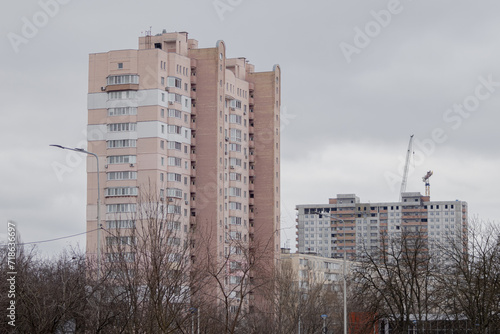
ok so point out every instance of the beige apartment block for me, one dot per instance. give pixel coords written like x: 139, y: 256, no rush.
x: 354, y: 227
x: 201, y: 132
x: 311, y: 269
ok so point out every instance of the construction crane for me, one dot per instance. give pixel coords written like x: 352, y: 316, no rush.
x: 427, y: 183
x: 407, y: 166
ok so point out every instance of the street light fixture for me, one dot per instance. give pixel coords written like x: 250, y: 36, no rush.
x: 343, y: 267
x: 81, y: 150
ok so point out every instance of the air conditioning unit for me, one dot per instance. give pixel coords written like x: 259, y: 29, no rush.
x: 170, y: 102
x: 105, y: 166
x: 186, y: 202
x: 103, y: 89
x: 167, y: 89
x: 227, y: 138
x: 233, y: 109
x: 131, y: 165
x: 232, y: 167
x: 244, y: 113
x: 170, y: 199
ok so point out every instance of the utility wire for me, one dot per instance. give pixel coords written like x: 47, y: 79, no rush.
x: 49, y: 240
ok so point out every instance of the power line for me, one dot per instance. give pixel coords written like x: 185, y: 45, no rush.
x: 49, y: 240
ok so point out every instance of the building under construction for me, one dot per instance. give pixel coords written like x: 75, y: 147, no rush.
x: 348, y: 225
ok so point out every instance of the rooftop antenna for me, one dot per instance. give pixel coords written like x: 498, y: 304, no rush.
x: 148, y: 37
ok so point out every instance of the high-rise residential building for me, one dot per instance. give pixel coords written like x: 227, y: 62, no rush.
x: 200, y: 130
x: 351, y: 226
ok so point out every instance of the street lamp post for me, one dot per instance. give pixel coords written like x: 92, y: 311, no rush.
x: 343, y: 268
x: 81, y: 150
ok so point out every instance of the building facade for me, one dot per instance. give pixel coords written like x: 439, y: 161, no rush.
x: 352, y: 226
x: 198, y: 130
x: 311, y: 269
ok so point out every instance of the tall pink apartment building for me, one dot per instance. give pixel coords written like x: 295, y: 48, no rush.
x: 200, y: 130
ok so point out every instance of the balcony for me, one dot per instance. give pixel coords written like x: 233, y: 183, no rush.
x: 115, y: 88
x: 193, y: 79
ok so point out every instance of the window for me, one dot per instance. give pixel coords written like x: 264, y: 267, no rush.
x: 125, y: 207
x: 235, y: 176
x: 234, y: 119
x: 234, y: 206
x: 123, y: 79
x: 122, y: 111
x: 235, y: 279
x: 174, y: 192
x: 233, y: 235
x: 235, y: 135
x: 174, y: 82
x: 174, y: 209
x: 174, y: 129
x: 121, y: 159
x: 120, y: 223
x: 123, y: 94
x: 120, y: 257
x: 174, y: 177
x: 234, y: 265
x: 174, y: 113
x: 235, y: 220
x: 121, y: 143
x: 173, y: 241
x: 120, y: 65
x: 122, y: 176
x: 174, y: 161
x: 174, y: 98
x: 121, y: 127
x: 174, y: 145
x: 233, y: 191
x: 121, y: 191
x: 110, y: 241
x: 234, y: 162
x: 235, y: 147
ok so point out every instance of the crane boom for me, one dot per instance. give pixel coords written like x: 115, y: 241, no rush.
x: 407, y: 165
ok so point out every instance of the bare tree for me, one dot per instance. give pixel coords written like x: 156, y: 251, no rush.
x: 397, y: 282
x: 147, y: 270
x: 50, y: 293
x: 471, y: 281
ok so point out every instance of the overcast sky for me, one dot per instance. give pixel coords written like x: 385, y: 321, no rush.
x: 358, y: 78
